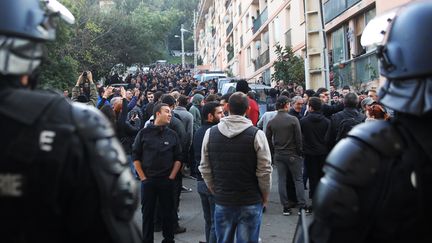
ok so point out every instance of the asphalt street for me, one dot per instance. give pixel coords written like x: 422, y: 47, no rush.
x: 275, y: 227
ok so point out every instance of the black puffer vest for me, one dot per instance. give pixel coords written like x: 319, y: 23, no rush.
x: 233, y: 162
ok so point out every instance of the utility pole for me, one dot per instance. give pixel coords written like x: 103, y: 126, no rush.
x: 195, y: 43
x: 182, y: 30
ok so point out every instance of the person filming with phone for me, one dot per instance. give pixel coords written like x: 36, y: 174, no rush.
x: 85, y: 90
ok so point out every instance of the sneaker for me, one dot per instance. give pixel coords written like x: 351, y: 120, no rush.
x: 185, y: 189
x: 307, y: 210
x: 179, y: 230
x: 286, y: 211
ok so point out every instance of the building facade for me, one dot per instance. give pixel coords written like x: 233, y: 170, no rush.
x: 349, y: 62
x: 239, y: 37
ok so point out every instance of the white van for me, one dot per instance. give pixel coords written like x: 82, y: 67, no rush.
x: 209, y: 75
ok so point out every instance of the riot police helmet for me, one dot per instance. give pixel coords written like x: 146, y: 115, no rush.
x: 25, y: 25
x: 404, y: 54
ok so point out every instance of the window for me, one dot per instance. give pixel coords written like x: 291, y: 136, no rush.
x: 276, y: 30
x: 249, y: 56
x: 339, y: 45
x: 368, y: 16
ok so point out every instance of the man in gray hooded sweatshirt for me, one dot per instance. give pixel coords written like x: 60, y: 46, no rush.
x: 236, y: 167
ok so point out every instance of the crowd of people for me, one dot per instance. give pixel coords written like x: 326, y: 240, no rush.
x: 300, y: 127
x: 64, y: 176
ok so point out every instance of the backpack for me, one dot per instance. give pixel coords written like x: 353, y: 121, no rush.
x: 345, y: 126
x: 271, y: 104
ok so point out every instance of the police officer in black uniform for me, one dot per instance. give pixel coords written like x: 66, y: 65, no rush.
x: 378, y: 181
x: 63, y: 174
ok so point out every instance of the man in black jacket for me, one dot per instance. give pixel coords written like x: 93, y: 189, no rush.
x: 326, y: 109
x: 157, y: 156
x: 350, y: 112
x: 212, y: 112
x: 315, y: 129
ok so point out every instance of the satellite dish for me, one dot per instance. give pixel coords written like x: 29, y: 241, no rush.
x: 57, y: 8
x: 375, y: 30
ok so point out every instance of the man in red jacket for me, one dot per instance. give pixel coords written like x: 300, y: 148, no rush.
x: 253, y: 111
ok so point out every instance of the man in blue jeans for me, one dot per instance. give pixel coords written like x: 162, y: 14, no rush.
x: 212, y: 112
x: 236, y: 167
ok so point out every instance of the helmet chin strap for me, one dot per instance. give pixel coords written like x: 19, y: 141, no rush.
x: 33, y: 79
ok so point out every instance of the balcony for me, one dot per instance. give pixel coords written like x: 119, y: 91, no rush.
x: 333, y: 8
x: 288, y: 38
x: 357, y: 71
x: 230, y: 56
x: 366, y: 67
x: 262, y: 60
x: 260, y: 20
x: 229, y: 29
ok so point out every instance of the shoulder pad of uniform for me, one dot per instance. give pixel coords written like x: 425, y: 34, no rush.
x: 26, y: 106
x: 380, y: 135
x: 355, y: 160
x: 91, y: 122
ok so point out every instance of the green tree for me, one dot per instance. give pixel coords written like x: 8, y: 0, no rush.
x: 288, y: 67
x: 134, y: 31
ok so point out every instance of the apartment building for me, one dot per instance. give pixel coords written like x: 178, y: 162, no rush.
x: 344, y: 21
x: 239, y: 36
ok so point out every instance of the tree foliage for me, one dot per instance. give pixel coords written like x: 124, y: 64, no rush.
x: 289, y: 68
x: 133, y: 31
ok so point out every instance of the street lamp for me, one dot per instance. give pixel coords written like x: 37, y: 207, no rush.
x: 182, y: 44
x: 182, y: 30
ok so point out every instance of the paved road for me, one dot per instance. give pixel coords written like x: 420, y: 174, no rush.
x: 275, y: 227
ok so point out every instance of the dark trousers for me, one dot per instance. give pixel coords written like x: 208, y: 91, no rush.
x: 178, y: 183
x: 163, y: 191
x: 314, y: 165
x: 290, y: 188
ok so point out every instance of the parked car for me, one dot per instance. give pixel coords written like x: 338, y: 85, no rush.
x: 222, y: 81
x: 261, y: 93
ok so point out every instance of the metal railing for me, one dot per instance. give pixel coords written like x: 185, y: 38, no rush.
x: 262, y: 60
x: 229, y: 28
x: 230, y: 56
x: 333, y: 8
x: 359, y: 70
x: 260, y: 20
x: 288, y: 38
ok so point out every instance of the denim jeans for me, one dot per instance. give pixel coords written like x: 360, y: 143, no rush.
x: 208, y: 206
x: 242, y: 221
